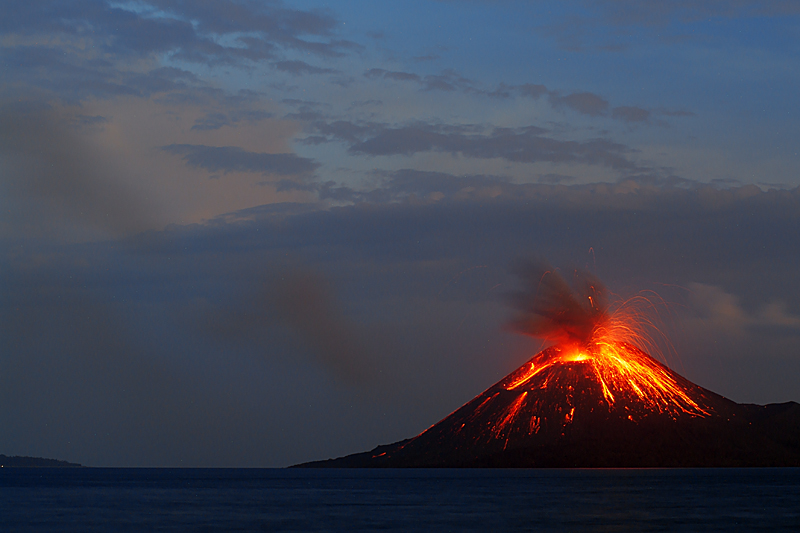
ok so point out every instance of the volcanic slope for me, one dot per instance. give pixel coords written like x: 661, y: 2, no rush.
x: 598, y: 406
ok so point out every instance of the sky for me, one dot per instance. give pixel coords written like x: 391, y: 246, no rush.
x: 257, y: 233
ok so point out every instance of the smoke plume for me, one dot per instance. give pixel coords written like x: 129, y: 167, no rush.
x: 303, y: 302
x: 550, y: 308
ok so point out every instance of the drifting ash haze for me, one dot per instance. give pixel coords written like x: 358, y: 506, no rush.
x: 593, y: 399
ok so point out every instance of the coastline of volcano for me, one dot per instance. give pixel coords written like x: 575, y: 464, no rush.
x: 568, y: 408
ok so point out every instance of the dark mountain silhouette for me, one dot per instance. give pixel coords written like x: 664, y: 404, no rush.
x: 18, y: 461
x: 606, y: 406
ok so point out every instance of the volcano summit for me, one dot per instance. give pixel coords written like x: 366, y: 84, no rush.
x: 593, y: 400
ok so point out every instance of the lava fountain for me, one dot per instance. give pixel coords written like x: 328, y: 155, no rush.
x: 596, y: 339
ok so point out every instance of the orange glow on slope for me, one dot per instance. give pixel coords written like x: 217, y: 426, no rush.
x: 621, y: 369
x: 577, y: 355
x: 510, y: 413
x: 617, y: 366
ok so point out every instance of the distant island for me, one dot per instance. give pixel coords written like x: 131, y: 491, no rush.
x: 33, y: 462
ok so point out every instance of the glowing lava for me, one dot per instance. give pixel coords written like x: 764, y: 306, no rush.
x: 621, y: 370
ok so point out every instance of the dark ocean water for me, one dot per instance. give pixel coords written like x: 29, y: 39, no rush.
x: 119, y: 499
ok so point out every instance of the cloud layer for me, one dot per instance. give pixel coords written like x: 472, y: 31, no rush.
x: 270, y: 324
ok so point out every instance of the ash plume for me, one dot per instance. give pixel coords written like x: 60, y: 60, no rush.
x: 302, y: 301
x: 305, y: 302
x: 550, y: 308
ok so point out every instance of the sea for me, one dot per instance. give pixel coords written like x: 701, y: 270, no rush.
x: 211, y: 499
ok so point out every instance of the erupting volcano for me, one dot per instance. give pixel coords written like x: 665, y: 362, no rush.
x: 593, y: 399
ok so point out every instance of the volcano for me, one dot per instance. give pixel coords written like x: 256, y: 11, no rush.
x: 612, y: 408
x: 593, y: 399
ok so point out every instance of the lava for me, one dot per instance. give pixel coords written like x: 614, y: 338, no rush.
x: 510, y: 413
x: 621, y: 370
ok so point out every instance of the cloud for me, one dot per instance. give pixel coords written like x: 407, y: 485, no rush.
x: 297, y: 68
x: 533, y: 90
x: 718, y: 308
x: 423, y: 183
x: 742, y: 338
x: 379, y: 73
x: 555, y: 178
x: 522, y: 145
x: 631, y: 114
x: 234, y: 159
x: 406, y: 183
x: 89, y: 121
x: 38, y: 69
x: 721, y: 310
x: 161, y: 80
x: 625, y: 12
x: 675, y: 113
x: 216, y: 120
x: 594, y: 105
x: 640, y: 233
x: 266, y: 26
x: 585, y: 103
x: 643, y: 190
x: 52, y: 172
x: 621, y: 25
x: 83, y: 49
x: 448, y: 80
x: 72, y: 74
x: 306, y: 110
x: 212, y: 121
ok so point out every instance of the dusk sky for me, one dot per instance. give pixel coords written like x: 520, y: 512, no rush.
x: 239, y: 233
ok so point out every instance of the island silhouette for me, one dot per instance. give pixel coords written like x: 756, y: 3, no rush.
x: 593, y: 399
x: 21, y: 461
